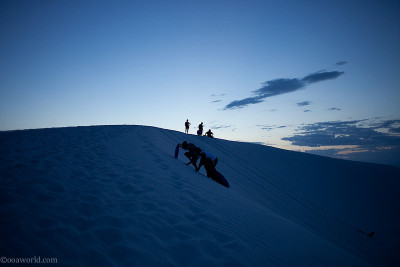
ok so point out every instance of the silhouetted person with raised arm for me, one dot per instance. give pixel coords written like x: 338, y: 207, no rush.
x: 187, y: 125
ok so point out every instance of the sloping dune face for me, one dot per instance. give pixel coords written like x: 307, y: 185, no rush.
x: 116, y: 195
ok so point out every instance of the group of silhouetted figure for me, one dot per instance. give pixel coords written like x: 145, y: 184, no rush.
x: 208, y: 160
x: 199, y: 131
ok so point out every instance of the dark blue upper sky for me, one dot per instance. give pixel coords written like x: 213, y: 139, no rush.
x: 241, y: 67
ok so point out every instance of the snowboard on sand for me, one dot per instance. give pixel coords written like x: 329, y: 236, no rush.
x: 219, y: 178
x: 176, y: 151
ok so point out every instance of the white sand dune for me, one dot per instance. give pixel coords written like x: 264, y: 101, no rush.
x: 115, y: 195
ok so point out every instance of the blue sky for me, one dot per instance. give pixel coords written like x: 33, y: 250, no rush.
x: 273, y: 72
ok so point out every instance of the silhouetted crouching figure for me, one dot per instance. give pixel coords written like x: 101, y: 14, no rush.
x: 209, y: 133
x: 193, y: 152
x: 209, y: 161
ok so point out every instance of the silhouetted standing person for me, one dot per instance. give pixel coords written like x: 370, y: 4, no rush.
x: 187, y: 125
x: 200, y: 131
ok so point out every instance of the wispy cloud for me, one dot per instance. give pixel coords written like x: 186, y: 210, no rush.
x: 304, y: 103
x: 216, y: 101
x: 334, y: 109
x: 389, y: 126
x: 282, y: 86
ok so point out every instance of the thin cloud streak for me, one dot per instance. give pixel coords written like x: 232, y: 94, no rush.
x: 340, y: 63
x: 322, y: 76
x: 271, y: 127
x: 304, y: 103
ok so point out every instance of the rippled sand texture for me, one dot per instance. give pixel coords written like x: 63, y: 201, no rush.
x: 107, y: 195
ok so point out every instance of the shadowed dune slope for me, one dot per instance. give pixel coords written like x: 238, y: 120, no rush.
x: 115, y: 195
